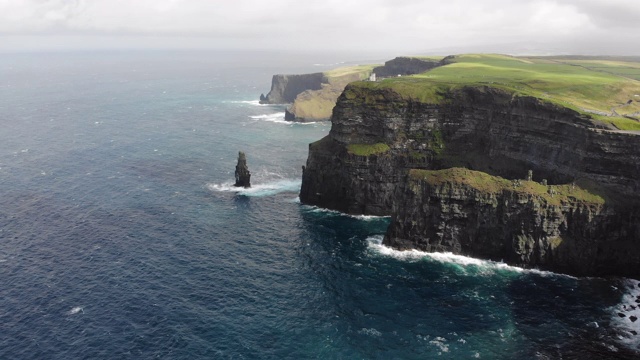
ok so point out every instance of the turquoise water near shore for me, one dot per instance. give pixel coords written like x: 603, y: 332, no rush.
x: 122, y: 237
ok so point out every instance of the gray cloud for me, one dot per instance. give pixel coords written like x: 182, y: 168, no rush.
x: 394, y: 25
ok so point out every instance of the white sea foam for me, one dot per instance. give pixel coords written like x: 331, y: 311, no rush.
x: 629, y: 307
x: 465, y: 263
x: 368, y: 217
x: 312, y: 208
x: 278, y: 118
x: 441, y: 344
x: 275, y: 117
x: 257, y: 190
x: 370, y: 332
x: 250, y: 102
x: 75, y: 310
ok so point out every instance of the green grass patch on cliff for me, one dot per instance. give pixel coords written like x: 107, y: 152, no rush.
x: 552, y: 194
x: 605, y: 88
x: 367, y: 149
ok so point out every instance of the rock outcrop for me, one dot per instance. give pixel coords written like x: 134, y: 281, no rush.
x: 285, y: 88
x: 378, y: 136
x: 243, y: 176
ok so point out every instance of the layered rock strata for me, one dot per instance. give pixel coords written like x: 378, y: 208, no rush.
x: 478, y: 128
x: 565, y: 228
x: 379, y: 135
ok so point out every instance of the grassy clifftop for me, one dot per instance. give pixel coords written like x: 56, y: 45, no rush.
x: 604, y: 89
x: 551, y: 194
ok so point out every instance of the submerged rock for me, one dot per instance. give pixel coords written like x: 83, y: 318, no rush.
x: 243, y: 176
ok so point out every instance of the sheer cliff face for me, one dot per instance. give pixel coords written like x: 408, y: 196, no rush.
x: 477, y: 128
x: 523, y: 223
x: 348, y: 181
x: 285, y: 88
x: 378, y: 137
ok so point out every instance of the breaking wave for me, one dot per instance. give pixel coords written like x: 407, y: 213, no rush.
x: 316, y: 209
x: 250, y: 102
x: 275, y: 117
x: 467, y: 265
x: 258, y: 190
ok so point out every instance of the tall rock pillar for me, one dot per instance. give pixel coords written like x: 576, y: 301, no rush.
x: 243, y: 176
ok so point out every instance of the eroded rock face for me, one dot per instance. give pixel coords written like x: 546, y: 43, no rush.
x: 285, y: 88
x: 559, y: 233
x: 487, y: 130
x: 243, y: 176
x: 480, y: 129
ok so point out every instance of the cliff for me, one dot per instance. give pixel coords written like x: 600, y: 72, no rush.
x: 382, y: 131
x: 285, y: 88
x: 408, y: 66
x: 317, y: 104
x: 479, y: 128
x: 565, y: 228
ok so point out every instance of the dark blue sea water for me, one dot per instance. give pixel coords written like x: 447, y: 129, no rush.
x: 121, y: 237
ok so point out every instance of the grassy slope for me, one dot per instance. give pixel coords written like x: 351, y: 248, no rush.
x: 582, y: 87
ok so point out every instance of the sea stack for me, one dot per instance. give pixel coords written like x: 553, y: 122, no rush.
x: 243, y: 176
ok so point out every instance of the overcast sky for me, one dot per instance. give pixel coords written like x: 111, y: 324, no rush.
x: 402, y: 26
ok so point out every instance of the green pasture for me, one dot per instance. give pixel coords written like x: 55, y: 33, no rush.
x: 574, y: 84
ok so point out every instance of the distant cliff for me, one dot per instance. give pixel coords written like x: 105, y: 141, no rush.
x: 285, y: 88
x: 313, y: 96
x: 408, y: 66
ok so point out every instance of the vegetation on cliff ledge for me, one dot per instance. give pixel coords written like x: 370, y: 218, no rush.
x: 552, y: 194
x: 367, y: 149
x: 606, y: 90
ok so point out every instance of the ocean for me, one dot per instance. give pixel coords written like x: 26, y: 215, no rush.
x: 121, y: 236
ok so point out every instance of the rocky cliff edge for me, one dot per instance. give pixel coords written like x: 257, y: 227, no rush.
x: 379, y: 135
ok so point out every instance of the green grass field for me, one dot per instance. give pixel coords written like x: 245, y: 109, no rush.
x: 587, y: 86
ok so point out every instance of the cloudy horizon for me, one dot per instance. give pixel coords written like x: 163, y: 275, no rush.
x: 590, y: 27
